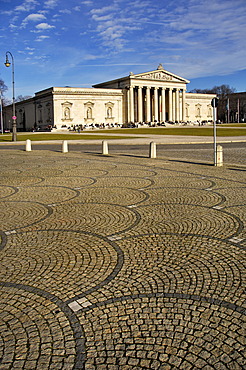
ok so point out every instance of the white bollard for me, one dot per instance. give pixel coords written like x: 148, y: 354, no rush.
x: 28, y: 146
x: 219, y: 156
x: 105, y: 148
x: 152, y: 150
x: 64, y: 146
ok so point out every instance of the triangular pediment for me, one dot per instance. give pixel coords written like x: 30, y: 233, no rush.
x: 160, y: 75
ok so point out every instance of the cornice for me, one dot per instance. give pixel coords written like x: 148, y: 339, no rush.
x: 117, y: 92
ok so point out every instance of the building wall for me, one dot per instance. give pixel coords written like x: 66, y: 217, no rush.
x: 73, y: 107
x: 43, y: 108
x: 114, y: 102
x: 198, y: 107
x: 25, y: 113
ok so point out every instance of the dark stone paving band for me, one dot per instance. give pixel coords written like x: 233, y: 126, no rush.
x: 16, y: 189
x: 3, y: 240
x: 214, y: 301
x: 76, y: 327
x: 227, y: 240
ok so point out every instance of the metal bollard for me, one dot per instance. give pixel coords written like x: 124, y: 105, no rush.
x: 152, y: 150
x: 28, y: 145
x: 64, y: 146
x: 219, y: 156
x: 105, y: 148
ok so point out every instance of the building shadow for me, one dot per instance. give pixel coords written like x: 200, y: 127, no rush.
x: 191, y: 162
x: 237, y: 169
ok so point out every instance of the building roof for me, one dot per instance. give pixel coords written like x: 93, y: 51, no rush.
x: 159, y: 74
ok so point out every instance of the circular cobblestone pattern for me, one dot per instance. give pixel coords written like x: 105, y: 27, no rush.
x: 65, y: 263
x: 34, y: 334
x: 15, y: 215
x: 121, y: 262
x: 163, y: 333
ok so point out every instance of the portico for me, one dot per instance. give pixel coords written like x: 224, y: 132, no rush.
x: 156, y: 96
x: 151, y: 103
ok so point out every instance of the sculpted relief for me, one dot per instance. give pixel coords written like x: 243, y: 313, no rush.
x: 157, y: 76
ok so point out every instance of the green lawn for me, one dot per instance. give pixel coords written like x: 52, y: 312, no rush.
x: 187, y: 131
x: 222, y: 130
x: 233, y: 125
x: 65, y: 136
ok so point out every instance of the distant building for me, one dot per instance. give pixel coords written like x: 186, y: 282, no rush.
x: 236, y: 107
x: 150, y: 97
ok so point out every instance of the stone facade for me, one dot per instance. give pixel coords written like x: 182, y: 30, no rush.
x: 150, y: 97
x: 198, y: 107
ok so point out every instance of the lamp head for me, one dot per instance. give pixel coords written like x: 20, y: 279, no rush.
x: 7, y: 63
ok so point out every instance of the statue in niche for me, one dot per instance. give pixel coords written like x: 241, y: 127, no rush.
x: 109, y: 112
x: 67, y: 113
x: 89, y: 113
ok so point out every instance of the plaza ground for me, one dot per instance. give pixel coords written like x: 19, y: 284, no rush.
x: 122, y: 261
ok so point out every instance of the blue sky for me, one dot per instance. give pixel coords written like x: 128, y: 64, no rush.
x: 81, y: 43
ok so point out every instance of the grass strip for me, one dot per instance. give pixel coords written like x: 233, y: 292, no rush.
x: 182, y: 131
x: 104, y: 134
x: 50, y: 137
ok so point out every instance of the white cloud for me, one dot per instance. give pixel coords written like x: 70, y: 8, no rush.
x: 101, y: 18
x: 26, y: 6
x: 65, y: 11
x: 105, y: 9
x: 42, y: 38
x: 12, y: 26
x: 50, y: 4
x: 116, y: 24
x: 88, y: 3
x: 44, y: 26
x: 34, y: 17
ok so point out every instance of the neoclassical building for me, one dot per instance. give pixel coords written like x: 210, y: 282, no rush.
x: 150, y: 97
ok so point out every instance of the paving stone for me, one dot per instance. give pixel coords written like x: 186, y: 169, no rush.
x: 121, y: 262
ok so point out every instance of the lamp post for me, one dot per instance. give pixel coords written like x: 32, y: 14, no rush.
x: 1, y: 109
x: 8, y: 64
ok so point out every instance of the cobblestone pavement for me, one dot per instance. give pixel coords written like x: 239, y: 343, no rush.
x: 121, y: 262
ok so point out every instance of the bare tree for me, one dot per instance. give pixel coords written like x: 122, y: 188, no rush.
x: 3, y: 89
x: 22, y: 98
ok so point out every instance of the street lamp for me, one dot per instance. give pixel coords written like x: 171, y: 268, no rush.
x: 1, y: 110
x: 8, y: 64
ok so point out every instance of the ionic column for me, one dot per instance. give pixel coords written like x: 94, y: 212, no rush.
x: 140, y: 104
x: 163, y: 105
x: 174, y: 103
x: 183, y: 105
x: 156, y: 118
x: 131, y: 104
x: 170, y: 105
x: 177, y: 105
x: 128, y: 106
x: 148, y: 104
